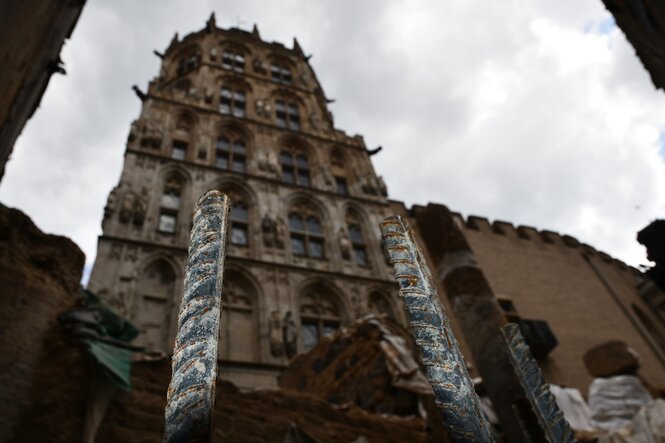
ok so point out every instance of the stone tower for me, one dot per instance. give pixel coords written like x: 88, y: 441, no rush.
x: 232, y: 112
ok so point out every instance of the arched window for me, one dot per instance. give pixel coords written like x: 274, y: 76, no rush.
x: 295, y: 167
x: 231, y: 152
x: 306, y: 233
x: 156, y: 287
x: 170, y: 204
x: 320, y: 315
x: 188, y: 60
x: 338, y: 169
x: 287, y: 114
x: 181, y: 137
x: 239, y: 217
x: 232, y: 101
x: 239, y: 340
x: 379, y: 305
x: 357, y: 238
x: 233, y: 60
x: 280, y: 73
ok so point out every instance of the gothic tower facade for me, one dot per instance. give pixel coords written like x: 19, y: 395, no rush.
x: 232, y: 112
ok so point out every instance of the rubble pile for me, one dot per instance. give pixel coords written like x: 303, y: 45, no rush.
x: 370, y: 365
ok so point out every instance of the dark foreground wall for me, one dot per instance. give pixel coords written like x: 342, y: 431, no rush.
x: 41, y: 376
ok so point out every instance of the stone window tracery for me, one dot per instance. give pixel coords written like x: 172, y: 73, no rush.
x: 306, y: 233
x: 295, y: 167
x: 238, y: 336
x: 181, y: 137
x: 233, y: 60
x: 357, y: 238
x: 232, y: 101
x: 156, y: 288
x: 287, y: 114
x: 320, y: 316
x: 170, y: 205
x: 188, y: 61
x: 280, y: 73
x: 231, y: 152
x: 239, y: 217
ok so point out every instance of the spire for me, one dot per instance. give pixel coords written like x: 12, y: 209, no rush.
x: 175, y: 40
x: 211, y: 24
x: 297, y: 48
x: 255, y: 31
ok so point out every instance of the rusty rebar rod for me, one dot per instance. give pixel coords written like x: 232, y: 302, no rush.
x: 191, y: 395
x: 444, y: 364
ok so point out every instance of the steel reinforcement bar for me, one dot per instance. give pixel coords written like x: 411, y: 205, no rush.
x: 453, y: 389
x: 191, y: 395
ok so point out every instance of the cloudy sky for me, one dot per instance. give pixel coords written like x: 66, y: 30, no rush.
x: 536, y: 112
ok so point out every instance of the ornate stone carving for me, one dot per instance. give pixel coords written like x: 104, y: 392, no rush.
x: 116, y: 251
x: 273, y: 231
x: 267, y: 162
x: 263, y: 107
x: 140, y: 207
x: 268, y: 230
x: 290, y: 335
x: 127, y: 207
x: 259, y: 66
x: 112, y: 202
x: 276, y: 339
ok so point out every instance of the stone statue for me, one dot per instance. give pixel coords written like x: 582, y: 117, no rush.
x: 268, y: 231
x: 290, y: 335
x: 140, y: 206
x: 276, y: 340
x: 127, y: 207
x: 344, y: 244
x: 280, y: 233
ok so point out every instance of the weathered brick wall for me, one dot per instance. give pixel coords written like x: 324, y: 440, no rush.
x: 547, y: 278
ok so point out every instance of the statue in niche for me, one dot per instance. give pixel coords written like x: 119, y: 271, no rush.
x: 290, y: 335
x: 127, y: 207
x: 344, y: 244
x: 152, y: 134
x: 280, y: 233
x: 267, y: 162
x: 276, y: 340
x: 140, y: 207
x: 268, y: 230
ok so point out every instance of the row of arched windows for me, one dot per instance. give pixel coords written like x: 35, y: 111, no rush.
x: 306, y: 233
x: 231, y: 154
x: 321, y: 311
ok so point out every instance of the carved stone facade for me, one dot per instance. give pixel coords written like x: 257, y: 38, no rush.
x: 232, y: 112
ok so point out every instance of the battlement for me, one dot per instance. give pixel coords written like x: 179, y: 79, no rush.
x: 529, y: 233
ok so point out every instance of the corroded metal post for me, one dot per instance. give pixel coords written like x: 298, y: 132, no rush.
x: 443, y: 361
x: 191, y: 395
